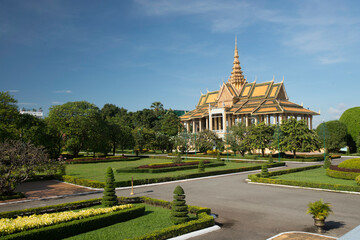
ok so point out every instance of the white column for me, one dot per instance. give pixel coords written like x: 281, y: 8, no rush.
x: 311, y: 118
x: 188, y: 126
x: 200, y: 124
x: 193, y: 128
x: 224, y: 121
x: 207, y: 123
x: 246, y: 121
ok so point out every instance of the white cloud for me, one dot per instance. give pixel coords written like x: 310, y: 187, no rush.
x: 27, y: 103
x: 57, y: 103
x: 329, y: 60
x: 63, y: 91
x: 12, y: 91
x: 336, y: 112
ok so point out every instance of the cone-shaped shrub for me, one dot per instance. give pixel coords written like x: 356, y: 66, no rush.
x: 201, y: 166
x: 109, y: 199
x: 179, y: 212
x: 327, y: 162
x: 264, y: 171
x: 271, y: 158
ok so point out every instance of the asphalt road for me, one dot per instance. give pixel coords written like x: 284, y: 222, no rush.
x: 247, y: 211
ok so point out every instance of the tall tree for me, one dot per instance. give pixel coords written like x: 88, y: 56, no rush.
x: 143, y: 137
x: 237, y: 138
x: 76, y: 121
x: 8, y: 116
x: 157, y: 106
x: 298, y: 137
x: 335, y: 133
x: 18, y: 162
x: 170, y: 123
x: 261, y: 136
x: 205, y: 140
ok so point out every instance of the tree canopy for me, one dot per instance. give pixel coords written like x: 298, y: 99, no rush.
x: 351, y: 118
x: 335, y: 133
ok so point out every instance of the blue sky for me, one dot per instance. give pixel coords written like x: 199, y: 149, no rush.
x: 133, y: 53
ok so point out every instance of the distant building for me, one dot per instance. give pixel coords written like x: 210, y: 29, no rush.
x: 240, y: 101
x: 34, y: 112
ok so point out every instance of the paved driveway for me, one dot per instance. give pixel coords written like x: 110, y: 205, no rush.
x: 248, y: 211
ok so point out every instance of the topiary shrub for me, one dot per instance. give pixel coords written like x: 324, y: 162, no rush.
x: 353, y: 163
x: 327, y: 162
x: 201, y: 166
x: 264, y: 171
x: 109, y: 199
x: 357, y: 179
x: 351, y: 119
x: 179, y: 212
x: 271, y: 158
x: 177, y: 158
x: 218, y: 156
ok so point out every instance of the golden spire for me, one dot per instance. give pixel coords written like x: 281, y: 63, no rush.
x: 237, y: 77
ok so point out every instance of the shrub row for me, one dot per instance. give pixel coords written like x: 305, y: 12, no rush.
x: 257, y: 178
x: 164, y: 165
x: 51, y: 209
x: 81, y: 181
x: 341, y: 174
x: 203, y: 221
x: 357, y: 179
x: 13, y: 196
x: 100, y: 160
x: 165, y: 169
x: 338, y: 187
x: 126, y: 183
x: 337, y: 168
x: 68, y: 229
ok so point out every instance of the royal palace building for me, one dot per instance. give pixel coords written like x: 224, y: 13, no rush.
x: 239, y: 101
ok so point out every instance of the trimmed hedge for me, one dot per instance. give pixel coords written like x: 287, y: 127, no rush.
x: 51, y: 208
x: 81, y: 181
x: 68, y: 229
x: 100, y: 160
x: 353, y: 163
x: 340, y: 174
x: 203, y: 221
x: 357, y: 179
x: 126, y: 183
x: 13, y: 196
x: 257, y: 178
x: 165, y: 169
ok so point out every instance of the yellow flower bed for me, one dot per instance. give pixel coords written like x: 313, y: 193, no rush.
x: 10, y: 225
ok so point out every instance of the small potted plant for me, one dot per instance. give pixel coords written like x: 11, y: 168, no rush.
x: 320, y: 211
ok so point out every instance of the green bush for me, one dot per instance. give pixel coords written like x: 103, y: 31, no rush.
x: 68, y: 229
x: 51, y: 208
x: 169, y: 169
x: 357, y: 179
x: 203, y: 221
x: 13, y: 196
x: 201, y: 166
x: 80, y: 181
x: 327, y: 162
x: 109, y: 198
x: 179, y: 212
x: 271, y: 158
x: 253, y: 177
x: 353, y: 163
x: 264, y: 171
x: 341, y: 174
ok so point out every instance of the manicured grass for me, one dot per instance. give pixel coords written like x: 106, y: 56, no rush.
x: 317, y: 175
x: 96, y: 171
x: 155, y: 218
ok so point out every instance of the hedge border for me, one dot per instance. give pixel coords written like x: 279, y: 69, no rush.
x: 169, y: 169
x: 338, y: 187
x: 85, y: 161
x: 13, y: 196
x: 341, y: 174
x: 75, y: 227
x: 51, y: 208
x: 98, y: 184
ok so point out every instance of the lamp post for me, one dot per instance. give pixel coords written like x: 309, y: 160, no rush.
x: 227, y: 143
x: 324, y: 133
x: 278, y: 138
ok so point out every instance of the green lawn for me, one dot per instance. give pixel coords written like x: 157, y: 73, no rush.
x: 317, y: 175
x: 155, y: 218
x: 96, y: 171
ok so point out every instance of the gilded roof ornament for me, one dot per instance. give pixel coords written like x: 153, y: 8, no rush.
x: 237, y: 77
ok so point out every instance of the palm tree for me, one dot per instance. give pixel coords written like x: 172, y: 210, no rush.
x: 157, y: 106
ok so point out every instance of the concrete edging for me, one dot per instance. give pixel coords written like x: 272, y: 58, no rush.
x: 300, y: 232
x: 196, y: 233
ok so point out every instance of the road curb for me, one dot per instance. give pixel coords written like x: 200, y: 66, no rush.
x: 196, y: 233
x: 301, y: 232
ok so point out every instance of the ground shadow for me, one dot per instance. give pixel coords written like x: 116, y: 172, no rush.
x: 329, y: 225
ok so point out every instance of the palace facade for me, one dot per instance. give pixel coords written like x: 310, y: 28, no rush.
x: 239, y: 101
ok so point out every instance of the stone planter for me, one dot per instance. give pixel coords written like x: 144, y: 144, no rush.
x: 319, y: 223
